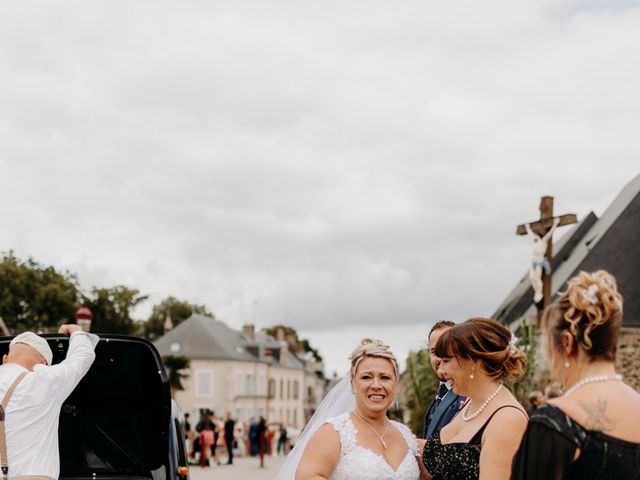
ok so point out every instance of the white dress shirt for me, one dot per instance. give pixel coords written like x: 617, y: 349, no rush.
x: 33, y: 412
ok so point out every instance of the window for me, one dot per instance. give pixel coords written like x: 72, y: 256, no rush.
x: 261, y: 388
x: 272, y: 388
x: 281, y: 389
x: 295, y: 419
x: 251, y: 385
x: 296, y: 388
x: 204, y: 383
x: 261, y: 412
x: 288, y: 389
x: 239, y: 389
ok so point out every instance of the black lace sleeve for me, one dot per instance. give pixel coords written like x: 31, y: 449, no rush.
x: 544, y: 453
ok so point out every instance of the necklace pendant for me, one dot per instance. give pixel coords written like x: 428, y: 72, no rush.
x: 384, y: 444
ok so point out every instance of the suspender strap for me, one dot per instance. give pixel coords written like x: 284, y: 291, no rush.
x: 4, y: 462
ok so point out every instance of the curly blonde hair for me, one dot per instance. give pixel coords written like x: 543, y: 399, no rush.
x: 591, y: 310
x: 371, y: 347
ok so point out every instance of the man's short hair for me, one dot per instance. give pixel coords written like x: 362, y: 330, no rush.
x: 534, y: 395
x: 439, y: 325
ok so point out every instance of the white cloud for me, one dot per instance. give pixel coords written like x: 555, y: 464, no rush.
x: 355, y: 165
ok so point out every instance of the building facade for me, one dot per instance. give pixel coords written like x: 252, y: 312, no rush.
x: 246, y: 373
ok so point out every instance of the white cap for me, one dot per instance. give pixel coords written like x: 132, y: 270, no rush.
x: 36, y: 342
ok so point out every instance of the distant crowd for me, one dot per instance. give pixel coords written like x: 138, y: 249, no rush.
x: 214, y: 438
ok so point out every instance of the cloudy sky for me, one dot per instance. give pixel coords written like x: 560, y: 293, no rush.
x: 349, y: 168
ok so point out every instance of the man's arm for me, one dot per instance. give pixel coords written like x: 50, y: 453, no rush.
x: 67, y: 374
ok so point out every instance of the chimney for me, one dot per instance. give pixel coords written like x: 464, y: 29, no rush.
x: 168, y: 323
x: 249, y: 331
x: 284, y: 351
x: 280, y: 334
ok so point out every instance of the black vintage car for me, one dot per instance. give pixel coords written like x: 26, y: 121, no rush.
x: 120, y: 421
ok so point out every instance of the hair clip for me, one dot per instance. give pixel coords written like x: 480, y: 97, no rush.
x: 591, y: 294
x: 513, y: 343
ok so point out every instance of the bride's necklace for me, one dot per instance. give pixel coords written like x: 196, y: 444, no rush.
x: 592, y: 379
x: 381, y: 437
x: 465, y: 413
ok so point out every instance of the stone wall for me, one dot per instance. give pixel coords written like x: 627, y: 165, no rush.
x: 628, y: 358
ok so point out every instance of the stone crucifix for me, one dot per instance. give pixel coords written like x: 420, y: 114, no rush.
x: 541, y: 231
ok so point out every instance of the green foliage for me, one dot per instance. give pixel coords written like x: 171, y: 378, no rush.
x: 177, y: 366
x: 421, y: 385
x: 527, y: 335
x: 111, y: 308
x: 292, y: 337
x: 178, y: 310
x: 33, y: 296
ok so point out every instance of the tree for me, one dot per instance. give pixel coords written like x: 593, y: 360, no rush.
x: 177, y: 367
x: 33, y: 296
x: 292, y: 338
x: 178, y: 310
x: 420, y: 386
x: 111, y: 308
x: 527, y: 335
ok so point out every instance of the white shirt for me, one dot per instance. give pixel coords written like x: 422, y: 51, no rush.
x: 33, y: 411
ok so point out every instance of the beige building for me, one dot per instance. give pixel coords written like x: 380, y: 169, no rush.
x: 244, y: 372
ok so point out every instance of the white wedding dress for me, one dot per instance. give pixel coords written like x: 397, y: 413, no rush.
x: 359, y: 463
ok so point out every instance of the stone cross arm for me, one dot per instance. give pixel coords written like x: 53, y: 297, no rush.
x: 541, y: 227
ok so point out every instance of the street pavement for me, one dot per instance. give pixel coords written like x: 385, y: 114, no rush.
x: 243, y: 468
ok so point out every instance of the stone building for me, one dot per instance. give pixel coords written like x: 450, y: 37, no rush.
x: 612, y: 243
x: 243, y: 372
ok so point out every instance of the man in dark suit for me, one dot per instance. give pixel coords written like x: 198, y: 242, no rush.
x: 446, y: 403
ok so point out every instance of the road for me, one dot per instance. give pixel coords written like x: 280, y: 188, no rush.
x: 242, y: 469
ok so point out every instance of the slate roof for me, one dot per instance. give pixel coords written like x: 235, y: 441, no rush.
x: 202, y: 337
x: 611, y: 242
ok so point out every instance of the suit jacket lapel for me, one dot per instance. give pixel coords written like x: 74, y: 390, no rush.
x: 449, y: 398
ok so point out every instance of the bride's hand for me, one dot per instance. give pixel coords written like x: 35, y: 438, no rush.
x: 424, y: 474
x: 421, y: 443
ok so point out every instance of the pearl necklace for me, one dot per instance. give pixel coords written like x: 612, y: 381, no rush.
x: 592, y: 379
x: 465, y: 413
x: 381, y: 437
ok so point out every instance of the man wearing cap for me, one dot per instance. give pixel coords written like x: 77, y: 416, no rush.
x: 33, y: 407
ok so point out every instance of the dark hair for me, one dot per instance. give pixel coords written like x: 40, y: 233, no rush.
x: 439, y: 325
x: 485, y: 340
x: 591, y: 310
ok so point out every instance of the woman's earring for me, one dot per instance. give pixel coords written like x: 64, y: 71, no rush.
x: 566, y: 364
x: 472, y: 376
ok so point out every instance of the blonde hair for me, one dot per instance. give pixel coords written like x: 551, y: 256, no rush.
x: 371, y: 347
x: 591, y: 309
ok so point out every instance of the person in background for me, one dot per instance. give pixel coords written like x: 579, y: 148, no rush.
x: 262, y: 439
x: 446, y: 402
x: 591, y: 431
x: 536, y: 398
x: 552, y: 392
x: 282, y: 440
x: 188, y: 435
x: 229, y: 427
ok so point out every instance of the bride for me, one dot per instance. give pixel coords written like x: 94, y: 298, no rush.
x: 350, y: 437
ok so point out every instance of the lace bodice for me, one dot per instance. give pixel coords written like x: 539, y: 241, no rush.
x: 359, y: 463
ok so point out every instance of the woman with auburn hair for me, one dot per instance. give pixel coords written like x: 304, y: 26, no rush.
x: 479, y: 443
x: 350, y: 437
x: 592, y: 431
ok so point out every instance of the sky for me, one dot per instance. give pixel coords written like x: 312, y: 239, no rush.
x: 351, y: 169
